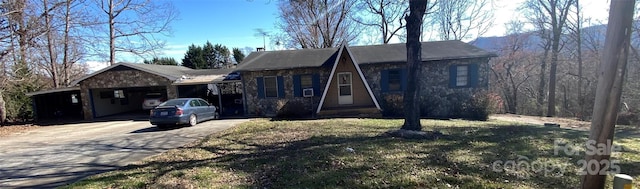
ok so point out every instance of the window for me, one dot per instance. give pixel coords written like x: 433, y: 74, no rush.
x: 394, y: 80
x: 270, y: 87
x: 306, y: 81
x: 344, y: 84
x: 118, y: 94
x: 462, y: 76
x: 74, y: 98
x: 194, y: 103
x: 203, y: 103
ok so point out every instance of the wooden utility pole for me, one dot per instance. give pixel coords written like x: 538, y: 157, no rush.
x: 610, y: 82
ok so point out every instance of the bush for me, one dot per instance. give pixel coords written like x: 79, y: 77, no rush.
x: 627, y: 118
x: 292, y: 109
x: 478, y: 107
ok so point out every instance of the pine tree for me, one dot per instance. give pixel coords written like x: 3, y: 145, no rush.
x: 194, y: 58
x: 238, y: 55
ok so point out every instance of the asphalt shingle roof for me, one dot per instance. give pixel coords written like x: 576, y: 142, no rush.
x: 387, y: 53
x: 168, y: 71
x: 277, y: 60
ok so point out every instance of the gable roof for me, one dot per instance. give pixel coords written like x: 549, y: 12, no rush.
x: 387, y: 53
x: 167, y: 71
x: 343, y: 49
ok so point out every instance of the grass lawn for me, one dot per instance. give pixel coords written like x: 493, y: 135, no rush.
x: 313, y: 154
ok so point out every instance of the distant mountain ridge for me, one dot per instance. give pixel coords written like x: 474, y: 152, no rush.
x: 495, y: 43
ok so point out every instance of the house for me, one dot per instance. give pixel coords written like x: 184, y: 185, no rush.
x: 120, y: 89
x: 358, y: 80
x: 361, y: 80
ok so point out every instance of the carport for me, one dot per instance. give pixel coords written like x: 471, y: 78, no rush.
x: 218, y: 86
x: 57, y: 104
x: 119, y: 91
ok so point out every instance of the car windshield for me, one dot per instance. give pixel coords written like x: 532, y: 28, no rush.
x: 174, y: 102
x: 153, y: 95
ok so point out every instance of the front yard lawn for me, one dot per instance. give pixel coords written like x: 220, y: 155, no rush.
x: 354, y: 153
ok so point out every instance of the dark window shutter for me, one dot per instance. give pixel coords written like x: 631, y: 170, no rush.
x: 280, y: 87
x: 297, y: 89
x: 473, y: 75
x: 452, y: 75
x: 260, y: 82
x: 315, y: 79
x: 403, y: 79
x: 384, y: 80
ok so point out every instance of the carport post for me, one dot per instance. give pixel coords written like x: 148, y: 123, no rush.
x: 219, y: 99
x: 34, y: 108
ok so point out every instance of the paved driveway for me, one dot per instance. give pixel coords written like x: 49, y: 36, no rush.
x: 57, y: 155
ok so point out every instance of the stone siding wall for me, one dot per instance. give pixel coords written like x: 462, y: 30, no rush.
x: 437, y: 98
x: 269, y: 107
x: 120, y: 79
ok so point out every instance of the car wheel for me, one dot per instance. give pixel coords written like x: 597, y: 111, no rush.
x: 193, y: 120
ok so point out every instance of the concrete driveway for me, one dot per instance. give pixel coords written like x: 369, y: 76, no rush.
x: 58, y: 155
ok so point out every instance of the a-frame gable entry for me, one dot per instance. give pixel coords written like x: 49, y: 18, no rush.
x: 356, y: 77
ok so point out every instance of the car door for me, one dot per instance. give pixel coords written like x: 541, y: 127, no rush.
x: 195, y: 108
x: 207, y: 109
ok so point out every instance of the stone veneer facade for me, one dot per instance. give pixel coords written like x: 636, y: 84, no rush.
x: 438, y: 99
x: 270, y: 106
x: 120, y: 79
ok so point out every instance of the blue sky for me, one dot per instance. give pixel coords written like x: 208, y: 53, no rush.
x: 232, y: 23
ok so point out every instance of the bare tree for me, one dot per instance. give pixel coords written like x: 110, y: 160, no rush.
x: 457, y: 19
x: 134, y: 25
x: 575, y: 25
x: 552, y: 16
x: 385, y: 16
x: 512, y: 69
x: 317, y: 23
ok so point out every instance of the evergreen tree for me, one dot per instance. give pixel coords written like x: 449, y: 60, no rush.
x: 238, y: 55
x: 222, y: 55
x: 162, y: 61
x: 194, y: 58
x: 209, y: 55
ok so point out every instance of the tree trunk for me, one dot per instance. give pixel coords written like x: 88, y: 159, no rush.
x: 610, y: 82
x: 581, y: 100
x: 411, y: 98
x: 52, y: 54
x: 3, y: 112
x: 543, y: 83
x: 65, y: 57
x: 112, y: 34
x: 555, y: 50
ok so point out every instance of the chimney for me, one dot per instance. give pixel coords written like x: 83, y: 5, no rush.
x: 259, y: 49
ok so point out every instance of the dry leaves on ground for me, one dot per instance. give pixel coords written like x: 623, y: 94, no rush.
x: 12, y: 129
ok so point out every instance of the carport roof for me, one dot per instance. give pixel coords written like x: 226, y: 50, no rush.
x: 173, y: 73
x: 53, y: 91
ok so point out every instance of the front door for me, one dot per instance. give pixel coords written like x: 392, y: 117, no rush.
x: 345, y: 94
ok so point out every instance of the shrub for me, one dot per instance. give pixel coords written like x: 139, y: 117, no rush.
x: 627, y: 118
x: 479, y: 106
x: 292, y: 109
